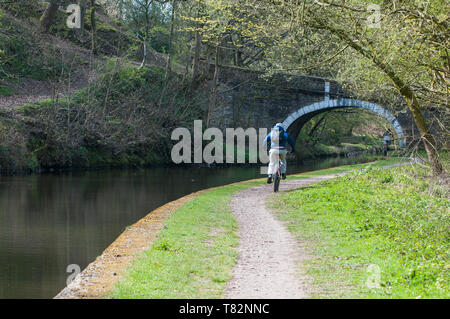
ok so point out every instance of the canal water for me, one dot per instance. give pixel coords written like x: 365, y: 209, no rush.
x: 50, y: 221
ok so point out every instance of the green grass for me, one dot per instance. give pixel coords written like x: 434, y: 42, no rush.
x: 6, y: 91
x: 394, y: 219
x: 193, y: 255
x: 195, y: 252
x: 121, y: 139
x: 22, y: 55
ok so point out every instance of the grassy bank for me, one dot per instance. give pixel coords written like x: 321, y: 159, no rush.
x: 122, y: 119
x: 374, y: 233
x: 195, y: 252
x: 306, y: 151
x: 193, y: 255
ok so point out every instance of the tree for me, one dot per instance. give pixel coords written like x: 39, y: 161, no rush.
x: 396, y: 51
x: 140, y: 16
x: 48, y: 16
x: 82, y: 4
x: 198, y: 42
x: 227, y: 33
x: 93, y: 27
x: 234, y: 27
x: 145, y: 6
x: 171, y: 35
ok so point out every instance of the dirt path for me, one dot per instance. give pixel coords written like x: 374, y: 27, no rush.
x: 31, y: 91
x: 268, y: 265
x: 83, y: 66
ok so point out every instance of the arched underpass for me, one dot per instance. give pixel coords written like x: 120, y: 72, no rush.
x: 295, y: 121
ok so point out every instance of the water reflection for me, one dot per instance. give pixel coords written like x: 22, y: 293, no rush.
x: 49, y: 221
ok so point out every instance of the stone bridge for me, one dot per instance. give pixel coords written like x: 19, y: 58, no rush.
x: 249, y: 99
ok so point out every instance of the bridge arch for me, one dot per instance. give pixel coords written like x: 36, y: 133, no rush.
x: 295, y: 121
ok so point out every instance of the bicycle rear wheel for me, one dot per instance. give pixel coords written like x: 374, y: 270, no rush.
x: 276, y: 181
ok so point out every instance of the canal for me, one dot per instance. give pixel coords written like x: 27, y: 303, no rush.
x: 49, y: 221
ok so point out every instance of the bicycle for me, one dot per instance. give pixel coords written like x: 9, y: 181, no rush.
x: 277, y: 175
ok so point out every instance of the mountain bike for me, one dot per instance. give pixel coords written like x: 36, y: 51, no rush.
x: 277, y: 175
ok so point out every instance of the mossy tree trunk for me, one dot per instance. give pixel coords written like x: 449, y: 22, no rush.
x: 198, y: 45
x: 404, y: 89
x: 214, y: 88
x: 195, y: 65
x: 171, y: 35
x: 93, y: 27
x: 48, y: 17
x: 82, y: 4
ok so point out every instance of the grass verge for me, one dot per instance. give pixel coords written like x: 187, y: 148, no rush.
x: 374, y: 233
x: 193, y: 255
x: 195, y: 252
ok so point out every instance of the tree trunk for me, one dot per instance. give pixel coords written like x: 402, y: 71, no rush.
x: 93, y: 27
x: 414, y: 107
x: 147, y: 26
x: 311, y: 132
x: 425, y: 134
x: 198, y: 43
x: 405, y: 91
x: 48, y: 17
x: 214, y: 88
x: 169, y: 49
x: 82, y: 4
x: 198, y: 48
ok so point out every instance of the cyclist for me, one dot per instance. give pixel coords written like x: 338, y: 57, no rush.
x: 386, y: 142
x: 387, y: 139
x: 276, y: 141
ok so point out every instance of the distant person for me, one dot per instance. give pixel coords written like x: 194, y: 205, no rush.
x: 386, y: 142
x: 387, y: 139
x: 276, y: 141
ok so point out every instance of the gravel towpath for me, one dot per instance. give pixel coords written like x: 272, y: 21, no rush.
x: 269, y: 262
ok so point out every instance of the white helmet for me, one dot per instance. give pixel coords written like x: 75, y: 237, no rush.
x: 280, y: 125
